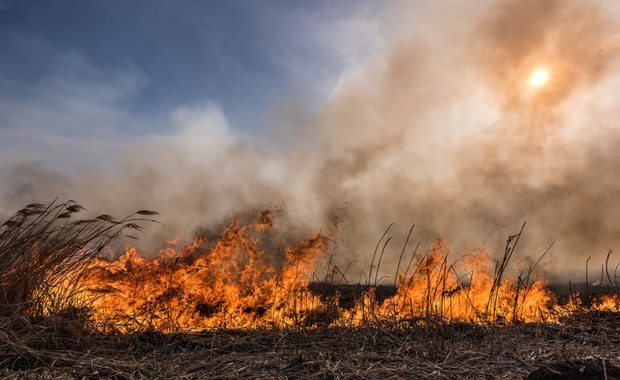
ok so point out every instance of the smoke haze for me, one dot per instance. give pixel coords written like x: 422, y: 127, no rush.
x: 439, y: 130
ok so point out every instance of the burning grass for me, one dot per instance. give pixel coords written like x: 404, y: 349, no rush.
x: 255, y: 314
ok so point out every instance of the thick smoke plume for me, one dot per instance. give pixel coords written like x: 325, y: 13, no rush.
x: 441, y: 130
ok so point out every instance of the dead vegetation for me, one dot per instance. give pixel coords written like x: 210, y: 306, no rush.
x: 42, y: 249
x: 448, y: 351
x: 58, y: 320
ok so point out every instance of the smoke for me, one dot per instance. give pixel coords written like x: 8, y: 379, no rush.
x: 441, y: 130
x: 445, y: 132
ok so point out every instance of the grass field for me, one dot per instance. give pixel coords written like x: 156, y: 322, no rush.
x: 218, y: 308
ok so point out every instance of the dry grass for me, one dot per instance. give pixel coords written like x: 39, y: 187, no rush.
x: 43, y: 248
x: 458, y: 351
x: 47, y: 334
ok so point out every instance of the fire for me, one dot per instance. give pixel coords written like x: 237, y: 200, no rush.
x: 230, y: 284
x: 608, y: 302
x: 233, y: 282
x: 538, y: 78
x: 223, y: 284
x: 435, y: 290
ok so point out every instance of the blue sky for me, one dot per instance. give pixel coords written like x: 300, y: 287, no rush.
x: 82, y: 79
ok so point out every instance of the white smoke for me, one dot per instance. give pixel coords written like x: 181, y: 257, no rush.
x: 437, y: 131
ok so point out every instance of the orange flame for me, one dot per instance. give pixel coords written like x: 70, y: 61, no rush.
x: 231, y: 283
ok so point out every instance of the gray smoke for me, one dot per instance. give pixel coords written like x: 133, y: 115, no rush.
x: 441, y: 131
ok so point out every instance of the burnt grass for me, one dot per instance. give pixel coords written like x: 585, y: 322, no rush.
x: 347, y: 294
x: 38, y: 248
x: 583, y: 346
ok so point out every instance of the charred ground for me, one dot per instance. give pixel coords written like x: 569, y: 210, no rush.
x: 584, y: 347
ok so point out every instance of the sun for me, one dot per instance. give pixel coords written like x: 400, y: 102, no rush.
x: 538, y: 78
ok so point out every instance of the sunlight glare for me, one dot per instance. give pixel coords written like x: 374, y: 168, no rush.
x: 538, y: 78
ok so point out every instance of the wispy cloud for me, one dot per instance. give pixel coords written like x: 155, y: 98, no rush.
x: 74, y: 114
